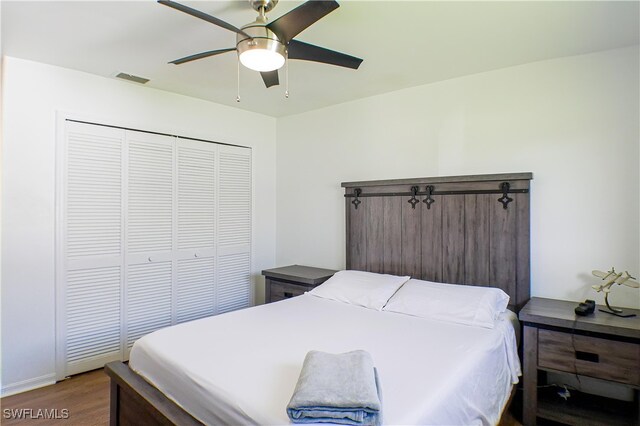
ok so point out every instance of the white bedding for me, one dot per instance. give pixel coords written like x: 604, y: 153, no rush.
x: 242, y: 367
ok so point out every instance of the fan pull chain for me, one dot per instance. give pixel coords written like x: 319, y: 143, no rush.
x: 286, y: 74
x: 238, y: 95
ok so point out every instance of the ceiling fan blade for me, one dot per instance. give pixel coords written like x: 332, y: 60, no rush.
x: 270, y: 78
x: 293, y: 23
x: 310, y: 52
x: 200, y: 56
x: 204, y: 16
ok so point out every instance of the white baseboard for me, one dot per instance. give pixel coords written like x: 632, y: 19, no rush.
x: 29, y: 384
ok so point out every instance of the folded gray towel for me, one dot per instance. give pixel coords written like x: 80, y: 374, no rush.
x: 337, y: 388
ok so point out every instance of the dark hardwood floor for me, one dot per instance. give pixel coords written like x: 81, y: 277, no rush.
x: 86, y: 397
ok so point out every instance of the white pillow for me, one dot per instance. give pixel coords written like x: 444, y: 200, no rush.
x: 462, y: 304
x: 360, y: 288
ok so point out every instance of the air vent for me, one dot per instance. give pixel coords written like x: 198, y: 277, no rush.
x: 133, y: 78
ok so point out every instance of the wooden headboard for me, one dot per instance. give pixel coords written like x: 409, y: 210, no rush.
x: 471, y: 230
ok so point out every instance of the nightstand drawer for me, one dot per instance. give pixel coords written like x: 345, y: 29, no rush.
x: 281, y: 291
x: 589, y: 356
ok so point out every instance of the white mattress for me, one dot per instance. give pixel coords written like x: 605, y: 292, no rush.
x: 242, y: 367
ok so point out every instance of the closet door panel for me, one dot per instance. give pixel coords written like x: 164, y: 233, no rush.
x: 234, y: 282
x: 150, y: 235
x: 93, y: 220
x: 90, y: 260
x: 196, y: 210
x: 148, y: 299
x: 195, y: 289
x: 196, y: 195
x: 234, y: 228
x: 93, y: 192
x: 234, y: 202
x: 93, y: 326
x: 150, y: 193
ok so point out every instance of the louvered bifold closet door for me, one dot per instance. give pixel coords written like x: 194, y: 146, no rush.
x: 152, y: 230
x: 234, y: 228
x: 150, y: 234
x: 195, y: 285
x: 90, y: 252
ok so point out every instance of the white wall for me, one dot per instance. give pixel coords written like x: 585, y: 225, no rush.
x: 33, y: 92
x: 573, y: 122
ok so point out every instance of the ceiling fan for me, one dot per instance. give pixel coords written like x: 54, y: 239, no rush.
x: 265, y: 46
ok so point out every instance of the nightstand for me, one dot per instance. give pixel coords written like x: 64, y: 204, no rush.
x: 290, y: 281
x: 600, y: 346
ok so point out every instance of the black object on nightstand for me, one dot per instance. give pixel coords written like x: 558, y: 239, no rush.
x: 290, y: 281
x: 586, y: 308
x: 600, y: 346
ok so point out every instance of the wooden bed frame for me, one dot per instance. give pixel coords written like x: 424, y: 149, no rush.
x: 471, y: 230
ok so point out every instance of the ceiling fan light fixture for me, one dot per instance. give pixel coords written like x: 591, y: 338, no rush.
x: 264, y: 51
x: 262, y: 58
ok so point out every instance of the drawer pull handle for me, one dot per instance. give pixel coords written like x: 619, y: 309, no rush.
x: 587, y: 356
x: 288, y: 295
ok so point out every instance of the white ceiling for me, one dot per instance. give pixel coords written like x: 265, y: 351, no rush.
x: 403, y: 44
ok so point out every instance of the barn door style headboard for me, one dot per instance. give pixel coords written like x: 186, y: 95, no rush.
x: 471, y: 230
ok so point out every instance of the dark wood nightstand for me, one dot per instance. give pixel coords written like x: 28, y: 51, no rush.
x: 290, y: 281
x: 600, y: 345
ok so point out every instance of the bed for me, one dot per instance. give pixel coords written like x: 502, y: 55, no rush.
x: 241, y: 367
